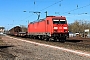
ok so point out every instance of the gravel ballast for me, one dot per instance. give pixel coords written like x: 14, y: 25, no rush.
x: 20, y: 50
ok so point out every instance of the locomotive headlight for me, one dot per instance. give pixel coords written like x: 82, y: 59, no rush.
x: 64, y: 27
x: 55, y: 27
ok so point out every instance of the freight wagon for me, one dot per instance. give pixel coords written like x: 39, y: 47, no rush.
x: 50, y: 28
x: 15, y: 30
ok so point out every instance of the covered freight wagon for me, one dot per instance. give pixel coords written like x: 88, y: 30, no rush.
x: 15, y: 30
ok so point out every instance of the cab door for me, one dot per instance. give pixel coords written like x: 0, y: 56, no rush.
x: 48, y: 27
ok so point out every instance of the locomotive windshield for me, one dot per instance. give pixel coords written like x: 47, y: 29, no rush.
x: 59, y: 22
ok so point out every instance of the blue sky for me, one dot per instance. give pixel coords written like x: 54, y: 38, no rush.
x: 11, y: 11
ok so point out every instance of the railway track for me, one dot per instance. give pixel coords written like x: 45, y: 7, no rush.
x: 76, y: 44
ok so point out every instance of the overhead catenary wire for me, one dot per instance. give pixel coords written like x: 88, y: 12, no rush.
x: 51, y: 5
x: 60, y: 5
x: 45, y: 7
x: 76, y: 8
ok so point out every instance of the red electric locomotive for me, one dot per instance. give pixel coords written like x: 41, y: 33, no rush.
x: 52, y: 27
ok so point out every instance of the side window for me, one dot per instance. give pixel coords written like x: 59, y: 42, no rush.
x: 47, y: 21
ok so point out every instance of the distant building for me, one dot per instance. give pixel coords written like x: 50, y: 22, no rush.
x: 71, y: 34
x: 2, y: 30
x: 87, y: 33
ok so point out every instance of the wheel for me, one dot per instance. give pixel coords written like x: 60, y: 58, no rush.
x: 62, y: 39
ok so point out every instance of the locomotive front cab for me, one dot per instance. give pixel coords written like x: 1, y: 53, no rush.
x: 60, y: 28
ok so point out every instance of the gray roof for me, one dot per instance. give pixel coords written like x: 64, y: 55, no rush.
x: 2, y: 27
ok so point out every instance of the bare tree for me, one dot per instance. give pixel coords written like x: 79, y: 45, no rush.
x: 24, y: 28
x: 79, y: 26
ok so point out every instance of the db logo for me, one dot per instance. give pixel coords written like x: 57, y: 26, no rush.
x: 60, y: 27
